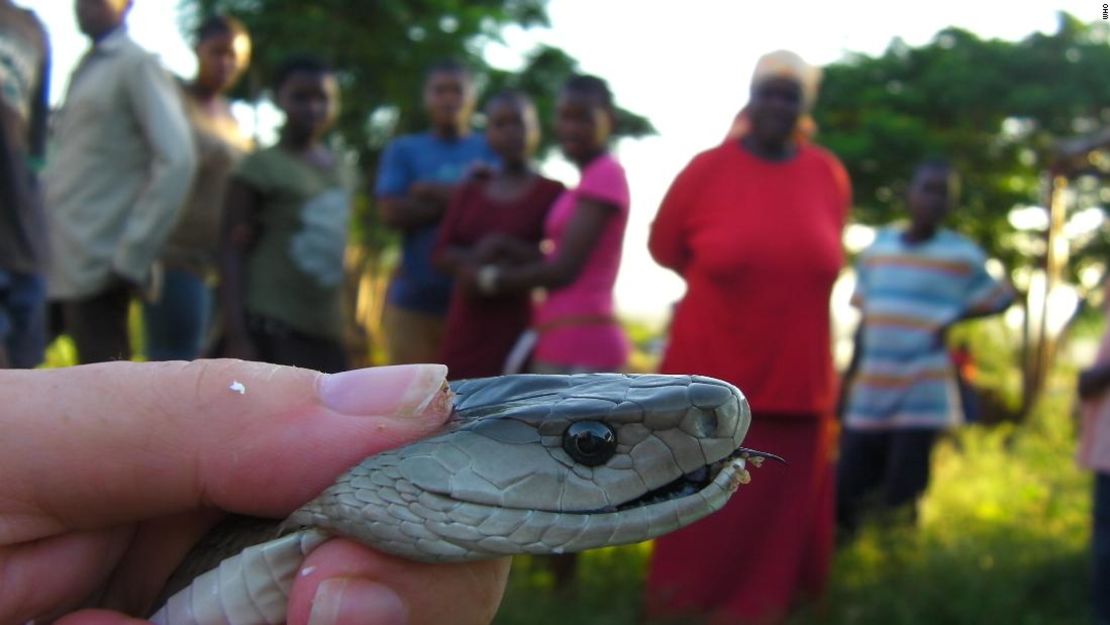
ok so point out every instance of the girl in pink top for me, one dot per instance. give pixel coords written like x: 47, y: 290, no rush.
x: 577, y: 328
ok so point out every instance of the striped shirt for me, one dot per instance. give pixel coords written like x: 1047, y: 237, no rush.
x: 908, y: 293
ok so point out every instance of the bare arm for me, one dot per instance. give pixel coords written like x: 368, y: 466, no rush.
x: 424, y: 205
x: 454, y: 259
x: 40, y: 109
x: 500, y: 248
x: 237, y: 234
x: 579, y: 239
x: 12, y: 179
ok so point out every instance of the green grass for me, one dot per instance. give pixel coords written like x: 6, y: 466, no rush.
x: 1002, y: 538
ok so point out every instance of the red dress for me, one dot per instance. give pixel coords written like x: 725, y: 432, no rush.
x: 758, y: 244
x: 481, y: 330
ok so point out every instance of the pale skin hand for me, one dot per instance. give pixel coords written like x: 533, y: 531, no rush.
x: 112, y: 471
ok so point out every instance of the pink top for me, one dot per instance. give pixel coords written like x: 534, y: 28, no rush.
x: 1094, y: 442
x: 571, y: 333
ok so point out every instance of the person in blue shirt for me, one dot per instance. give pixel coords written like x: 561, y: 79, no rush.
x: 417, y: 176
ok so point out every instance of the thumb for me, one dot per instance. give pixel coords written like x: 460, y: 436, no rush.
x: 90, y: 446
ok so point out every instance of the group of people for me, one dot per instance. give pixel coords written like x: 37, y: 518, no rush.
x: 152, y: 190
x: 129, y: 199
x: 474, y: 212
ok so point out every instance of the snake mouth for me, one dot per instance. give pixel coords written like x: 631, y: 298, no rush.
x: 700, y: 478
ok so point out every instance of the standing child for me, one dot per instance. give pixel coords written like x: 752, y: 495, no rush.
x: 416, y: 178
x: 285, y: 231
x: 912, y: 284
x: 177, y: 322
x: 481, y: 329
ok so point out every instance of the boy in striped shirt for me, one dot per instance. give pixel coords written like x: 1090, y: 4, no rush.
x: 912, y: 284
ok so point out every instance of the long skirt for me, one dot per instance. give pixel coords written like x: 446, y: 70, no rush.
x: 771, y: 544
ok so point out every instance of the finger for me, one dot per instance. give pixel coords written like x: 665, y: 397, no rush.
x: 344, y: 583
x: 99, y: 617
x: 157, y: 549
x: 90, y: 446
x: 57, y: 574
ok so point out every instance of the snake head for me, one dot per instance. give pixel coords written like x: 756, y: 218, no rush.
x: 548, y: 463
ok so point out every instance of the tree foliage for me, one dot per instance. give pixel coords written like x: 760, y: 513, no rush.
x: 381, y: 49
x: 996, y: 109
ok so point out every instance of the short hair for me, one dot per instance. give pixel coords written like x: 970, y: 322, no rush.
x: 448, y: 66
x: 585, y: 84
x: 933, y: 162
x: 296, y: 64
x: 939, y: 163
x: 216, y: 25
x: 509, y: 95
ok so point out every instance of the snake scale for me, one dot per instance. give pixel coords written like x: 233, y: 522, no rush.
x: 535, y: 464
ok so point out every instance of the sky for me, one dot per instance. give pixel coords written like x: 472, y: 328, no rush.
x: 684, y: 65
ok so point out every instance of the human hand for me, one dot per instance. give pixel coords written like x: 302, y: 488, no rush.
x: 112, y: 471
x: 134, y: 288
x: 466, y: 278
x: 438, y: 192
x: 490, y: 248
x: 481, y: 171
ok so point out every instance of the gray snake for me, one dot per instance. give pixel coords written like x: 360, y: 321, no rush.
x: 527, y: 464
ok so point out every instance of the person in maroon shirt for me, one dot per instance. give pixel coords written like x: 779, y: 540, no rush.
x: 753, y: 226
x: 511, y: 203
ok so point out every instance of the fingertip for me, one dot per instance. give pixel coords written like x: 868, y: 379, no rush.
x: 354, y: 601
x: 461, y: 593
x: 401, y: 390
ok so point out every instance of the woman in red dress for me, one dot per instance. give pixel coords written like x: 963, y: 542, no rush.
x: 754, y: 227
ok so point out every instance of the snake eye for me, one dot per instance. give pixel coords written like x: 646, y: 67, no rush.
x: 590, y: 442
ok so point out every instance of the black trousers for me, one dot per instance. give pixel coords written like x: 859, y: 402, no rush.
x: 890, y: 468
x: 98, y: 324
x: 280, y: 344
x: 1101, y: 547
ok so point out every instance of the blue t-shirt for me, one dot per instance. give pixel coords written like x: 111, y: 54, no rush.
x: 425, y: 157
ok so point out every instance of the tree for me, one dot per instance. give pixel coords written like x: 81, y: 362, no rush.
x: 998, y: 111
x: 381, y: 49
x: 995, y: 108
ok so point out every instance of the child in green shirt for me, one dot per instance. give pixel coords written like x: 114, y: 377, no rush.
x: 285, y: 232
